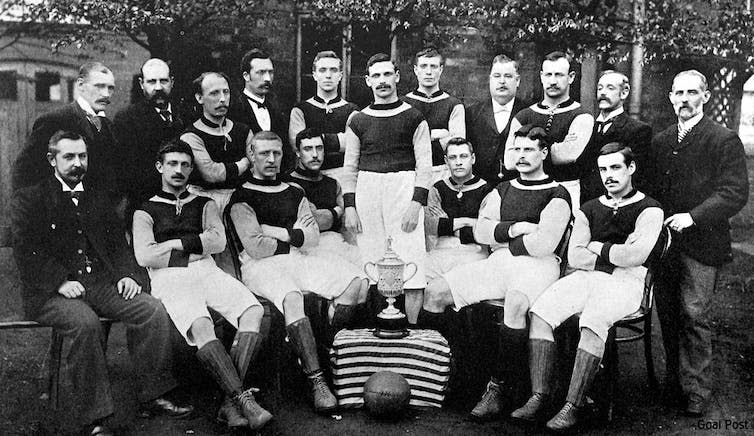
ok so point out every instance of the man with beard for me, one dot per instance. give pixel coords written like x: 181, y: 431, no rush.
x: 564, y: 120
x: 488, y: 121
x: 143, y: 126
x: 76, y: 266
x: 326, y: 112
x: 256, y: 107
x: 218, y: 143
x: 445, y: 114
x: 701, y: 180
x: 614, y: 125
x: 86, y: 117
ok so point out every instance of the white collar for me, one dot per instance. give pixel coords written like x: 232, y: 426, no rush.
x: 248, y: 94
x: 611, y: 115
x: 66, y: 188
x: 88, y: 108
x: 169, y: 108
x: 507, y: 107
x: 691, y: 122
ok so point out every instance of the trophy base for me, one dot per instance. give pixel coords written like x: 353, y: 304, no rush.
x: 391, y: 328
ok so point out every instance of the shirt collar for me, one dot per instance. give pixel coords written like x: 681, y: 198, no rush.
x: 507, y: 107
x: 691, y: 122
x: 434, y: 94
x: 169, y: 109
x: 169, y: 196
x: 251, y: 96
x: 611, y: 115
x: 329, y: 102
x: 630, y: 194
x: 254, y: 181
x: 78, y: 188
x: 566, y: 103
x: 544, y: 181
x: 386, y: 106
x: 88, y: 108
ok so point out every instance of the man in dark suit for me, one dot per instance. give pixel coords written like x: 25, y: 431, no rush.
x: 143, y: 126
x: 613, y: 125
x: 488, y: 121
x: 256, y: 107
x: 701, y: 180
x: 76, y: 266
x: 86, y: 116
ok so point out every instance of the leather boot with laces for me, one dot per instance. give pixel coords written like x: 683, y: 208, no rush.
x: 490, y: 405
x: 565, y: 419
x: 532, y: 408
x: 230, y: 415
x: 255, y: 414
x: 324, y: 400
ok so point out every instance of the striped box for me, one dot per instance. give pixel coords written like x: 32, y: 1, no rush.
x: 423, y: 358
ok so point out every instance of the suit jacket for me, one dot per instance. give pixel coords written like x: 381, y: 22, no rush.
x: 628, y: 131
x: 139, y: 131
x: 489, y: 145
x: 240, y: 110
x: 705, y: 175
x: 45, y: 235
x: 106, y: 164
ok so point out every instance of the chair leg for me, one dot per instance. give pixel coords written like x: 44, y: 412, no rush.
x: 612, y: 371
x: 56, y: 349
x: 648, y: 352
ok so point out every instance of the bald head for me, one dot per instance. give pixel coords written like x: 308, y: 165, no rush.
x: 156, y: 82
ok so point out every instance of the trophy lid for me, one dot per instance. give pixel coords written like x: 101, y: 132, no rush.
x: 391, y: 257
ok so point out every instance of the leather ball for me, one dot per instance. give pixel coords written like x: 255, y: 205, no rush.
x: 386, y: 394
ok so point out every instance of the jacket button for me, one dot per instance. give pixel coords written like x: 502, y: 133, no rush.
x: 675, y: 153
x: 667, y: 173
x: 80, y: 251
x: 79, y: 231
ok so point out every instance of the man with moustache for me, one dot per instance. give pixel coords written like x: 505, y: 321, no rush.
x: 326, y: 112
x: 488, y: 121
x: 175, y: 234
x: 523, y: 221
x: 387, y: 174
x: 701, y: 180
x: 614, y: 125
x: 217, y: 142
x: 275, y: 224
x: 143, y: 126
x: 564, y: 120
x: 76, y: 266
x: 256, y: 107
x: 444, y: 113
x: 85, y: 116
x: 612, y: 238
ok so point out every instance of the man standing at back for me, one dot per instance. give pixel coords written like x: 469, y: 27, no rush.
x: 564, y: 120
x: 488, y: 121
x: 143, y: 126
x: 444, y: 113
x: 326, y: 112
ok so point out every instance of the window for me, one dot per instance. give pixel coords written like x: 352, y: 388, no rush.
x: 8, y: 86
x: 48, y: 87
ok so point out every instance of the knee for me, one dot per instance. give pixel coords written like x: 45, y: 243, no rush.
x: 88, y: 325
x: 252, y: 314
x: 351, y: 294
x: 516, y: 306
x: 437, y: 294
x: 293, y: 301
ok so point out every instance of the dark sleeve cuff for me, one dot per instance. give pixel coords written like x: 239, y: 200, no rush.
x: 602, y: 265
x: 605, y: 252
x: 420, y: 195
x: 466, y: 235
x: 332, y: 143
x: 178, y: 258
x: 297, y: 237
x: 231, y: 172
x: 335, y: 219
x: 517, y: 247
x: 192, y: 244
x: 283, y: 248
x: 349, y: 199
x: 501, y: 231
x: 445, y: 227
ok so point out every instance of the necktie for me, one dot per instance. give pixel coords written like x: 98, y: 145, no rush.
x: 96, y: 121
x: 166, y: 115
x: 682, y: 132
x: 75, y: 196
x: 603, y: 125
x: 260, y: 104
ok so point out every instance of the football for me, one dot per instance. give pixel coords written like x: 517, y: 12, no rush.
x: 386, y: 395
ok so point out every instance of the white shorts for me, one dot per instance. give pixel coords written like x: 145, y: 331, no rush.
x: 276, y: 276
x: 187, y: 292
x: 450, y: 253
x: 381, y: 201
x: 334, y: 244
x: 221, y: 196
x: 493, y: 277
x: 602, y: 299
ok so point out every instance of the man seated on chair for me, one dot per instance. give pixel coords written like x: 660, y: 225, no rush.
x: 451, y: 213
x: 523, y: 221
x: 76, y: 266
x: 175, y: 234
x: 324, y: 195
x: 612, y: 237
x: 274, y: 222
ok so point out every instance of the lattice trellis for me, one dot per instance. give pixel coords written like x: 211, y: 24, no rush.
x: 720, y: 106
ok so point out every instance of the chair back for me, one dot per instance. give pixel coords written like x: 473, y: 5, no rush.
x: 234, y: 242
x: 654, y: 263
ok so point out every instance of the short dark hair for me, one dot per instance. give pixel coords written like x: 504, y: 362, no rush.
x: 457, y: 140
x: 326, y: 54
x: 617, y: 147
x: 504, y: 59
x: 254, y: 53
x: 52, y: 144
x: 264, y: 135
x: 380, y: 57
x: 174, y: 146
x: 88, y: 67
x: 197, y: 83
x: 308, y: 133
x: 535, y: 132
x: 429, y: 52
x: 555, y: 55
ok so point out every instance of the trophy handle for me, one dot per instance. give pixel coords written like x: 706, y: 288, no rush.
x: 374, y: 278
x: 416, y: 269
